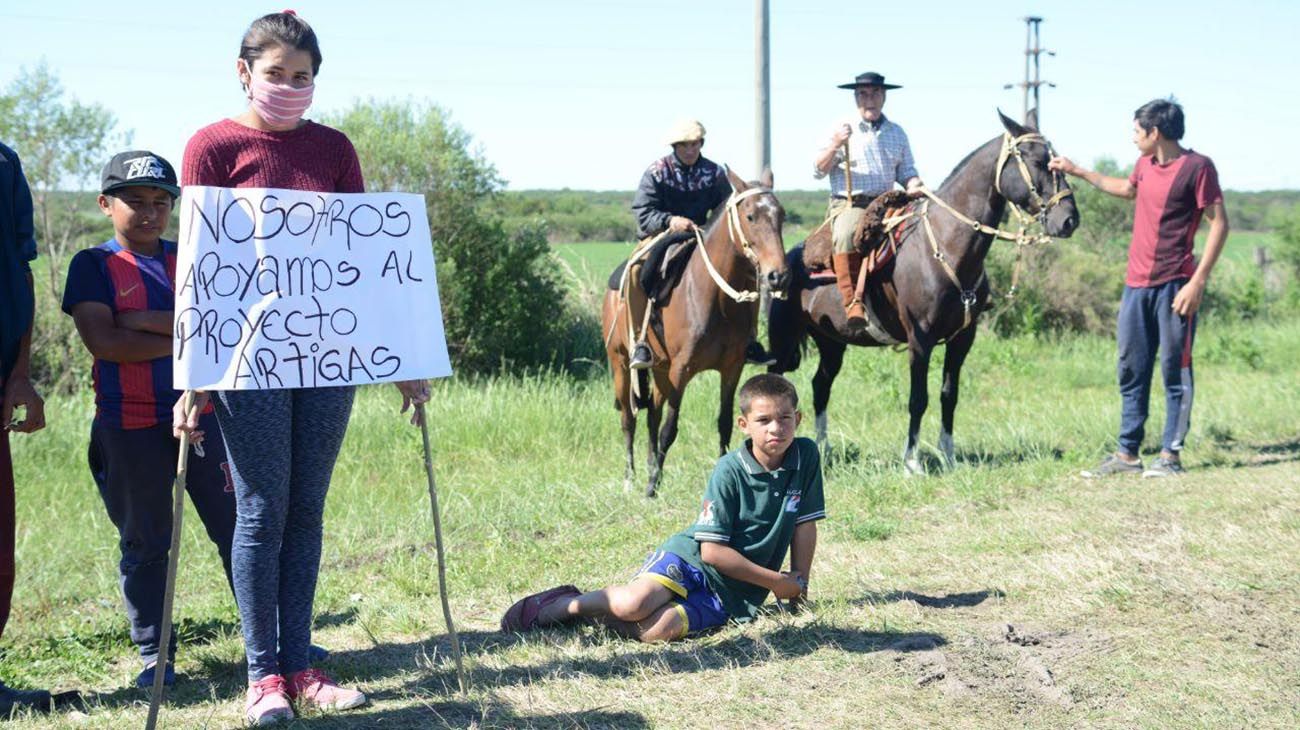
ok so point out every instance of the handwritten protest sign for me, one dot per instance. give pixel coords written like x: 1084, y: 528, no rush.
x: 287, y: 289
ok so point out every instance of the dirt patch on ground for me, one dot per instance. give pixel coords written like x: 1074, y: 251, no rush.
x: 1024, y: 665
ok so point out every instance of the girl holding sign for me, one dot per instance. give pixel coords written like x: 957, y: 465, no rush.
x: 281, y: 444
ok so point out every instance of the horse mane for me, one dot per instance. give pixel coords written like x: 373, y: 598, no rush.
x: 716, y: 214
x: 715, y: 217
x: 966, y: 161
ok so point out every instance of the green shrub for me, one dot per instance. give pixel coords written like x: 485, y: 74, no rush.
x: 1286, y: 226
x: 1063, y: 287
x: 1235, y: 292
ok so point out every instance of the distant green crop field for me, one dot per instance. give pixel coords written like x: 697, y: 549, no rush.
x: 592, y: 262
x: 1241, y: 244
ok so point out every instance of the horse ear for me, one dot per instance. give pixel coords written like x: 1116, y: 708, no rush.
x: 1031, y: 119
x: 1014, y: 129
x: 737, y: 185
x: 766, y: 178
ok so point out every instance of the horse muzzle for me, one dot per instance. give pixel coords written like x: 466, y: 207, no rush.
x: 778, y: 283
x: 1061, y: 220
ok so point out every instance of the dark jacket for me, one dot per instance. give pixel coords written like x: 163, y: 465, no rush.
x: 17, y: 249
x: 669, y: 188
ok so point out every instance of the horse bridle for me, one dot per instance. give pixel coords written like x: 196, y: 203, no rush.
x: 1011, y: 148
x: 736, y: 232
x: 1024, y: 220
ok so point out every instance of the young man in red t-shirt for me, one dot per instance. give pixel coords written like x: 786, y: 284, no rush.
x: 1173, y: 187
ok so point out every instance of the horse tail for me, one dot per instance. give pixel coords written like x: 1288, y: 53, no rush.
x: 786, y: 331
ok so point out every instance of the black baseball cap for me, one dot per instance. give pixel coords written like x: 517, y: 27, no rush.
x: 139, y: 167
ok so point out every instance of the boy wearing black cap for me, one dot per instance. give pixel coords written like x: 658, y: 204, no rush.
x: 120, y: 295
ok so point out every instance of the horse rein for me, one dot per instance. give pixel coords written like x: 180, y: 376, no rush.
x: 735, y: 232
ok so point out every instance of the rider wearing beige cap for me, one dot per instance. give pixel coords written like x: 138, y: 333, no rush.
x: 675, y: 196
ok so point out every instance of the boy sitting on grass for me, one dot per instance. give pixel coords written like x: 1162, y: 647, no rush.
x: 761, y: 500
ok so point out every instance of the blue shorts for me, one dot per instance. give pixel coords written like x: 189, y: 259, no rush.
x: 699, y: 606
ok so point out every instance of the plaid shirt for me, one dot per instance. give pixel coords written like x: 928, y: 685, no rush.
x: 881, y: 157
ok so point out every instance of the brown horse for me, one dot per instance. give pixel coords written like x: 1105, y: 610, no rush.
x: 933, y: 291
x: 703, y: 326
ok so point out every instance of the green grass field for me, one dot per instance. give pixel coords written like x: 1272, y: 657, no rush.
x: 591, y: 263
x: 1007, y: 592
x: 1241, y: 245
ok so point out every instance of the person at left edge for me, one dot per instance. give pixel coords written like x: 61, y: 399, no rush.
x: 17, y: 304
x: 120, y: 295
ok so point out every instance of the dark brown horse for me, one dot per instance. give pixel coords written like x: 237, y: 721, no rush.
x: 702, y: 327
x: 933, y: 291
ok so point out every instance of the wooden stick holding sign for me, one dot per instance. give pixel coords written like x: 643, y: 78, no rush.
x: 173, y: 557
x: 422, y: 415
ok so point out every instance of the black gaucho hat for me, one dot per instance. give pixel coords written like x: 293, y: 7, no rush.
x: 870, y: 78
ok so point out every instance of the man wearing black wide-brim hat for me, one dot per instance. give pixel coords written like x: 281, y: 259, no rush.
x: 879, y: 156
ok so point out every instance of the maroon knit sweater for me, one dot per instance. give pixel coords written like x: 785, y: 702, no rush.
x: 313, y: 158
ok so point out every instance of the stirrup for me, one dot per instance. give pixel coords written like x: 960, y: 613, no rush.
x: 642, y: 358
x: 856, y: 321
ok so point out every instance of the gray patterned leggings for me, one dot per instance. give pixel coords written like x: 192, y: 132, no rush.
x: 281, y: 445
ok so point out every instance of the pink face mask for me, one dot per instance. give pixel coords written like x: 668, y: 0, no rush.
x: 279, y: 104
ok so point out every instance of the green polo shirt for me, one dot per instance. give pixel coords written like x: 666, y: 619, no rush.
x: 755, y: 512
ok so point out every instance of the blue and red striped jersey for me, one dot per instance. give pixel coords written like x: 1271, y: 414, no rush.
x: 128, y: 395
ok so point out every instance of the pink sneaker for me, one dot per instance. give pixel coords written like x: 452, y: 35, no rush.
x: 316, y: 688
x: 268, y: 701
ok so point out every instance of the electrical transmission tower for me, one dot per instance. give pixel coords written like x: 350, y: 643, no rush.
x: 1033, y: 49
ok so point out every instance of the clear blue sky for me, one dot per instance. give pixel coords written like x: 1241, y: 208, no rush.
x: 578, y: 93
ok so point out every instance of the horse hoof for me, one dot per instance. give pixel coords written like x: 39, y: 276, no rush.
x: 947, y: 451
x: 913, y: 468
x: 651, y: 493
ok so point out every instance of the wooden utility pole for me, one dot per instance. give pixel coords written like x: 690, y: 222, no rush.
x: 1032, y: 82
x: 762, y: 88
